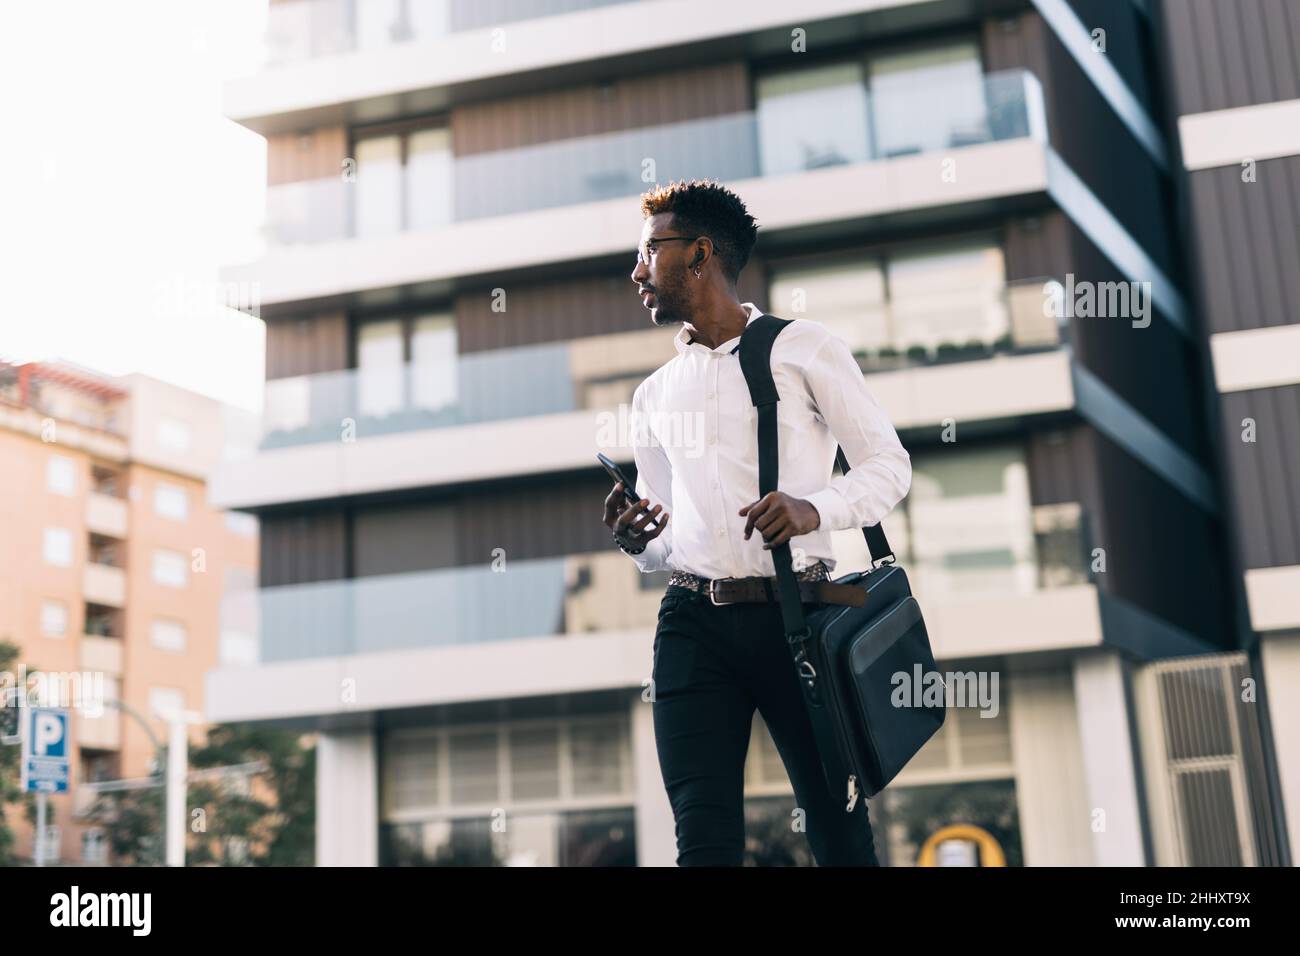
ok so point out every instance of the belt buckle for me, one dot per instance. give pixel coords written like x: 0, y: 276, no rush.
x: 713, y: 599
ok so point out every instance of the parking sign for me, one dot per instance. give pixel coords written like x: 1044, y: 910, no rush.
x: 45, y: 750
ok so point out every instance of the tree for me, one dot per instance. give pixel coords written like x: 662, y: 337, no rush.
x: 271, y: 822
x: 10, y: 756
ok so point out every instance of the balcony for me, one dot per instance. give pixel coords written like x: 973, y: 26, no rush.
x: 106, y: 515
x: 307, y: 29
x: 103, y: 654
x: 592, y: 169
x: 601, y: 372
x: 972, y: 548
x: 327, y: 68
x: 104, y: 584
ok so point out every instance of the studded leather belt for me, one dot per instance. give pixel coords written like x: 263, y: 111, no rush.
x: 815, y: 587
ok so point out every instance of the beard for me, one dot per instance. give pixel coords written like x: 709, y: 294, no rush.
x: 668, y: 306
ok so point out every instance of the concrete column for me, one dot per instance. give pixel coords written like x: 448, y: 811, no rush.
x: 1280, y: 655
x: 1051, y: 796
x: 347, y: 799
x: 656, y: 832
x: 1107, y: 734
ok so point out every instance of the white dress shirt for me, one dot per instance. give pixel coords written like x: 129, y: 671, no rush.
x: 695, y: 443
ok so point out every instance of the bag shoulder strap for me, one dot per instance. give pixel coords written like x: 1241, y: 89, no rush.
x: 756, y: 365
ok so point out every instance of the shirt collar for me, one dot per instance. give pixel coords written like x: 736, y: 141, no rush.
x: 683, y: 343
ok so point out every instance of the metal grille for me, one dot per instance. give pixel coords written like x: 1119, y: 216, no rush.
x: 1214, y: 763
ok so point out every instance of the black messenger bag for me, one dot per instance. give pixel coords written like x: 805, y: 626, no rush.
x: 848, y: 658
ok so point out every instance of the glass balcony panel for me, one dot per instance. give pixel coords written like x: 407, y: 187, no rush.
x: 431, y: 188
x: 808, y: 119
x: 928, y: 100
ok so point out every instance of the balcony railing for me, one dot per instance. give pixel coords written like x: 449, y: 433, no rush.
x: 973, y: 546
x: 601, y: 372
x: 313, y: 28
x: 612, y: 165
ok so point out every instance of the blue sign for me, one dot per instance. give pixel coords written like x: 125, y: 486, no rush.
x: 45, y: 750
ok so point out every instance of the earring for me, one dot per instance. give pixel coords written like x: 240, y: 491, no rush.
x: 697, y: 273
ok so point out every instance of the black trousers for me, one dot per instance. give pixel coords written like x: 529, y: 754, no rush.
x: 713, y: 664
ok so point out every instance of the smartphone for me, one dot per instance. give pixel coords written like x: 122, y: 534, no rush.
x: 629, y: 487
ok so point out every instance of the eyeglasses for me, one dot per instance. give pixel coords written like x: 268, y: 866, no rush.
x: 643, y: 255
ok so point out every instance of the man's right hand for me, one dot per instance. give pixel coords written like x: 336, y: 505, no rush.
x: 628, y: 521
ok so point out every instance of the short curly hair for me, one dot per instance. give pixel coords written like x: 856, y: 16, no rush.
x: 706, y: 208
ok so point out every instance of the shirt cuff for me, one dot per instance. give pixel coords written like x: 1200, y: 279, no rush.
x: 834, y: 510
x: 653, y: 558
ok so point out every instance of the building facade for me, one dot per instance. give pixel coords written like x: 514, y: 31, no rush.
x: 1234, y: 89
x: 452, y: 334
x: 114, y: 568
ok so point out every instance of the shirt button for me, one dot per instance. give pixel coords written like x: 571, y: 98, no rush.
x: 713, y: 440
x: 721, y: 532
x: 713, y: 394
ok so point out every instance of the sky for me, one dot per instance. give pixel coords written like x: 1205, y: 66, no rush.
x: 125, y: 189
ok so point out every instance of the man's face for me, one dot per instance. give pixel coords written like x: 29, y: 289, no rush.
x: 663, y: 273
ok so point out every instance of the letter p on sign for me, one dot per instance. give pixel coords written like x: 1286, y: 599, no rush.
x: 47, y: 740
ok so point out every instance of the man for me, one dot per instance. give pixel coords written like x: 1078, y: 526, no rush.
x: 714, y: 663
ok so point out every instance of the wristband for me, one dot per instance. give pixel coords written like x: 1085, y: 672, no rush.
x: 626, y: 550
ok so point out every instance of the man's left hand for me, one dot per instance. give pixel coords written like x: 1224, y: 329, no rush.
x: 779, y: 517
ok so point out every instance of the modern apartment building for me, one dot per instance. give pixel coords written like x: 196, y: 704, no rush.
x: 113, y: 566
x: 1234, y: 81
x: 452, y: 334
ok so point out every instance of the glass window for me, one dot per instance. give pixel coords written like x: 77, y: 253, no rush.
x: 847, y: 297
x: 380, y: 370
x: 928, y: 99
x: 474, y: 767
x: 434, y: 361
x: 535, y: 763
x: 971, y: 523
x: 948, y: 295
x: 168, y: 635
x: 169, y: 568
x: 412, y: 772
x: 597, y: 750
x: 379, y: 186
x: 94, y: 846
x: 58, y: 547
x: 54, y: 618
x: 380, y: 23
x: 429, y: 198
x: 61, y: 475
x: 809, y: 118
x: 171, y: 501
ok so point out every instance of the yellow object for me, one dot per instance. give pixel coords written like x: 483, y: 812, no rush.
x: 990, y: 850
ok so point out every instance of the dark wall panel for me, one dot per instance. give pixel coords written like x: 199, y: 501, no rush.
x: 303, y: 346
x: 1246, y: 243
x: 1159, y: 546
x: 1156, y: 368
x: 1060, y: 470
x: 546, y: 518
x: 1122, y: 356
x: 1225, y: 53
x: 1264, y: 475
x: 1128, y: 40
x: 552, y: 311
x: 620, y: 104
x: 557, y: 311
x: 296, y: 548
x: 1037, y: 247
x: 392, y: 540
x: 1080, y: 121
x: 311, y: 154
